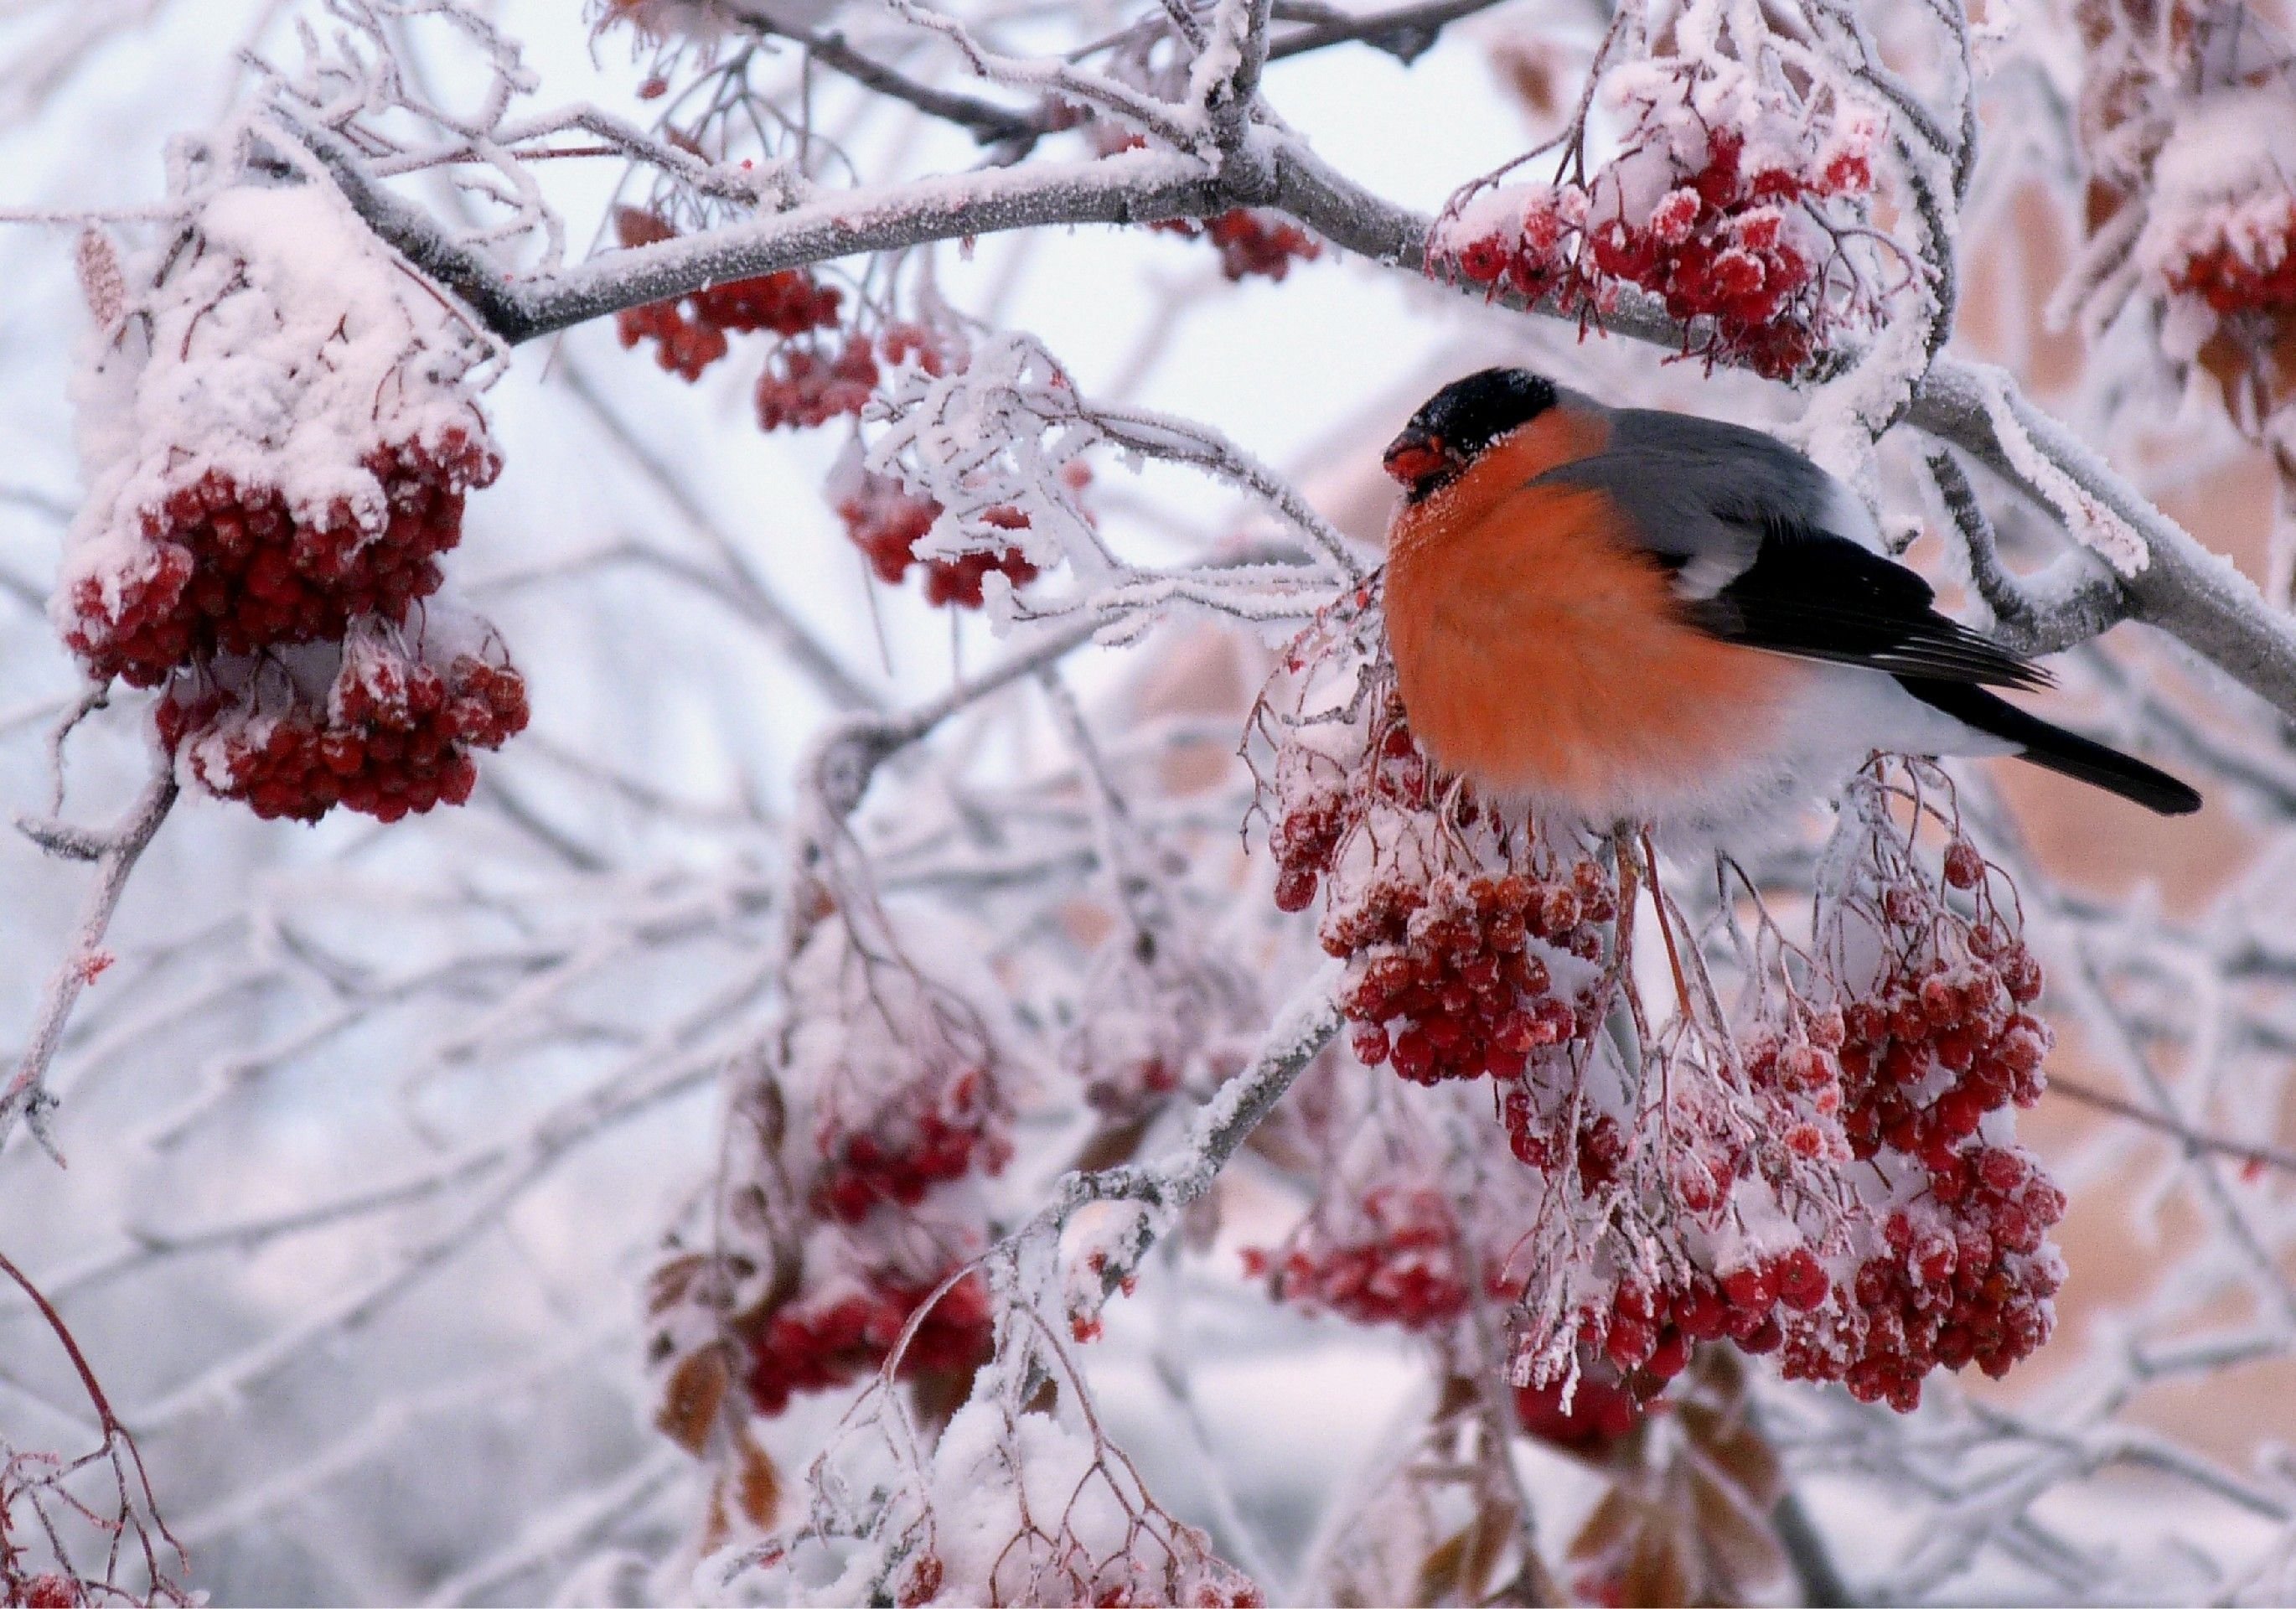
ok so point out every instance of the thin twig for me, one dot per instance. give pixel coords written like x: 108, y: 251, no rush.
x: 26, y: 1095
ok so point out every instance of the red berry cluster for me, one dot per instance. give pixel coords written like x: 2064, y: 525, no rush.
x: 805, y: 386
x: 1251, y: 240
x: 1728, y: 238
x: 1938, y: 1047
x: 1449, y: 968
x: 885, y: 523
x: 2255, y: 272
x: 1602, y: 1411
x: 1647, y: 1334
x: 882, y: 1098
x: 393, y: 738
x: 1397, y: 1262
x: 1449, y: 981
x: 901, y: 1156
x: 689, y: 333
x: 234, y: 569
x: 838, y: 1342
x: 1957, y: 1282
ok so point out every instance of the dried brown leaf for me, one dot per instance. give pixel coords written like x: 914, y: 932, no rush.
x: 694, y: 1397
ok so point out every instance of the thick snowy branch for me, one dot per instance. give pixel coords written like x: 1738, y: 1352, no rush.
x: 2176, y: 586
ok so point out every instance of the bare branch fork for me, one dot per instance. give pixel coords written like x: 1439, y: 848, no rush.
x: 138, y: 1507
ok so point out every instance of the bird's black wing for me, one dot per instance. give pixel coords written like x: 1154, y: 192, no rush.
x: 1816, y: 595
x: 1739, y: 521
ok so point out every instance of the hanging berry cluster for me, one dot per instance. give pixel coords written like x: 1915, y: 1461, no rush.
x: 382, y: 723
x: 819, y: 370
x: 886, y: 522
x: 1728, y: 203
x: 280, y: 436
x: 1388, y: 1255
x: 2218, y: 247
x: 881, y: 1106
x: 1251, y: 240
x: 1456, y: 929
x: 689, y: 333
x: 1827, y: 1172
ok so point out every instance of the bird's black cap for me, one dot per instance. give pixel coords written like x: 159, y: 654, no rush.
x: 1452, y: 429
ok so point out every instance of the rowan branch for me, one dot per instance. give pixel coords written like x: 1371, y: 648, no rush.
x: 2172, y: 583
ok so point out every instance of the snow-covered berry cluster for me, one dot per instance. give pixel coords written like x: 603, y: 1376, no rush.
x: 1726, y: 204
x: 1932, y: 1051
x: 233, y: 568
x: 856, y: 1211
x: 2219, y: 240
x: 1964, y: 1276
x: 280, y: 436
x: 2248, y: 261
x: 1389, y: 1256
x: 899, y: 1073
x: 382, y: 723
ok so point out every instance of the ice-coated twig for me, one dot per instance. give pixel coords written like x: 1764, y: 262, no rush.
x: 1162, y: 1189
x: 2092, y: 604
x: 115, y: 853
x: 136, y: 1511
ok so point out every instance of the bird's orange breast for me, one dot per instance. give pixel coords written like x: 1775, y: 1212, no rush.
x: 1540, y: 651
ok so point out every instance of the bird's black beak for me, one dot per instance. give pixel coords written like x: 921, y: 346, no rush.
x: 1418, y: 460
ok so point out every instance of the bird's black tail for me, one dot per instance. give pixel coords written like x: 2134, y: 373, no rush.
x: 2067, y: 753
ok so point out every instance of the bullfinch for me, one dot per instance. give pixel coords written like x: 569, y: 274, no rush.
x: 1625, y: 613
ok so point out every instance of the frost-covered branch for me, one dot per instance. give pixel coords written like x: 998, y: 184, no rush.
x: 2171, y: 582
x: 115, y: 852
